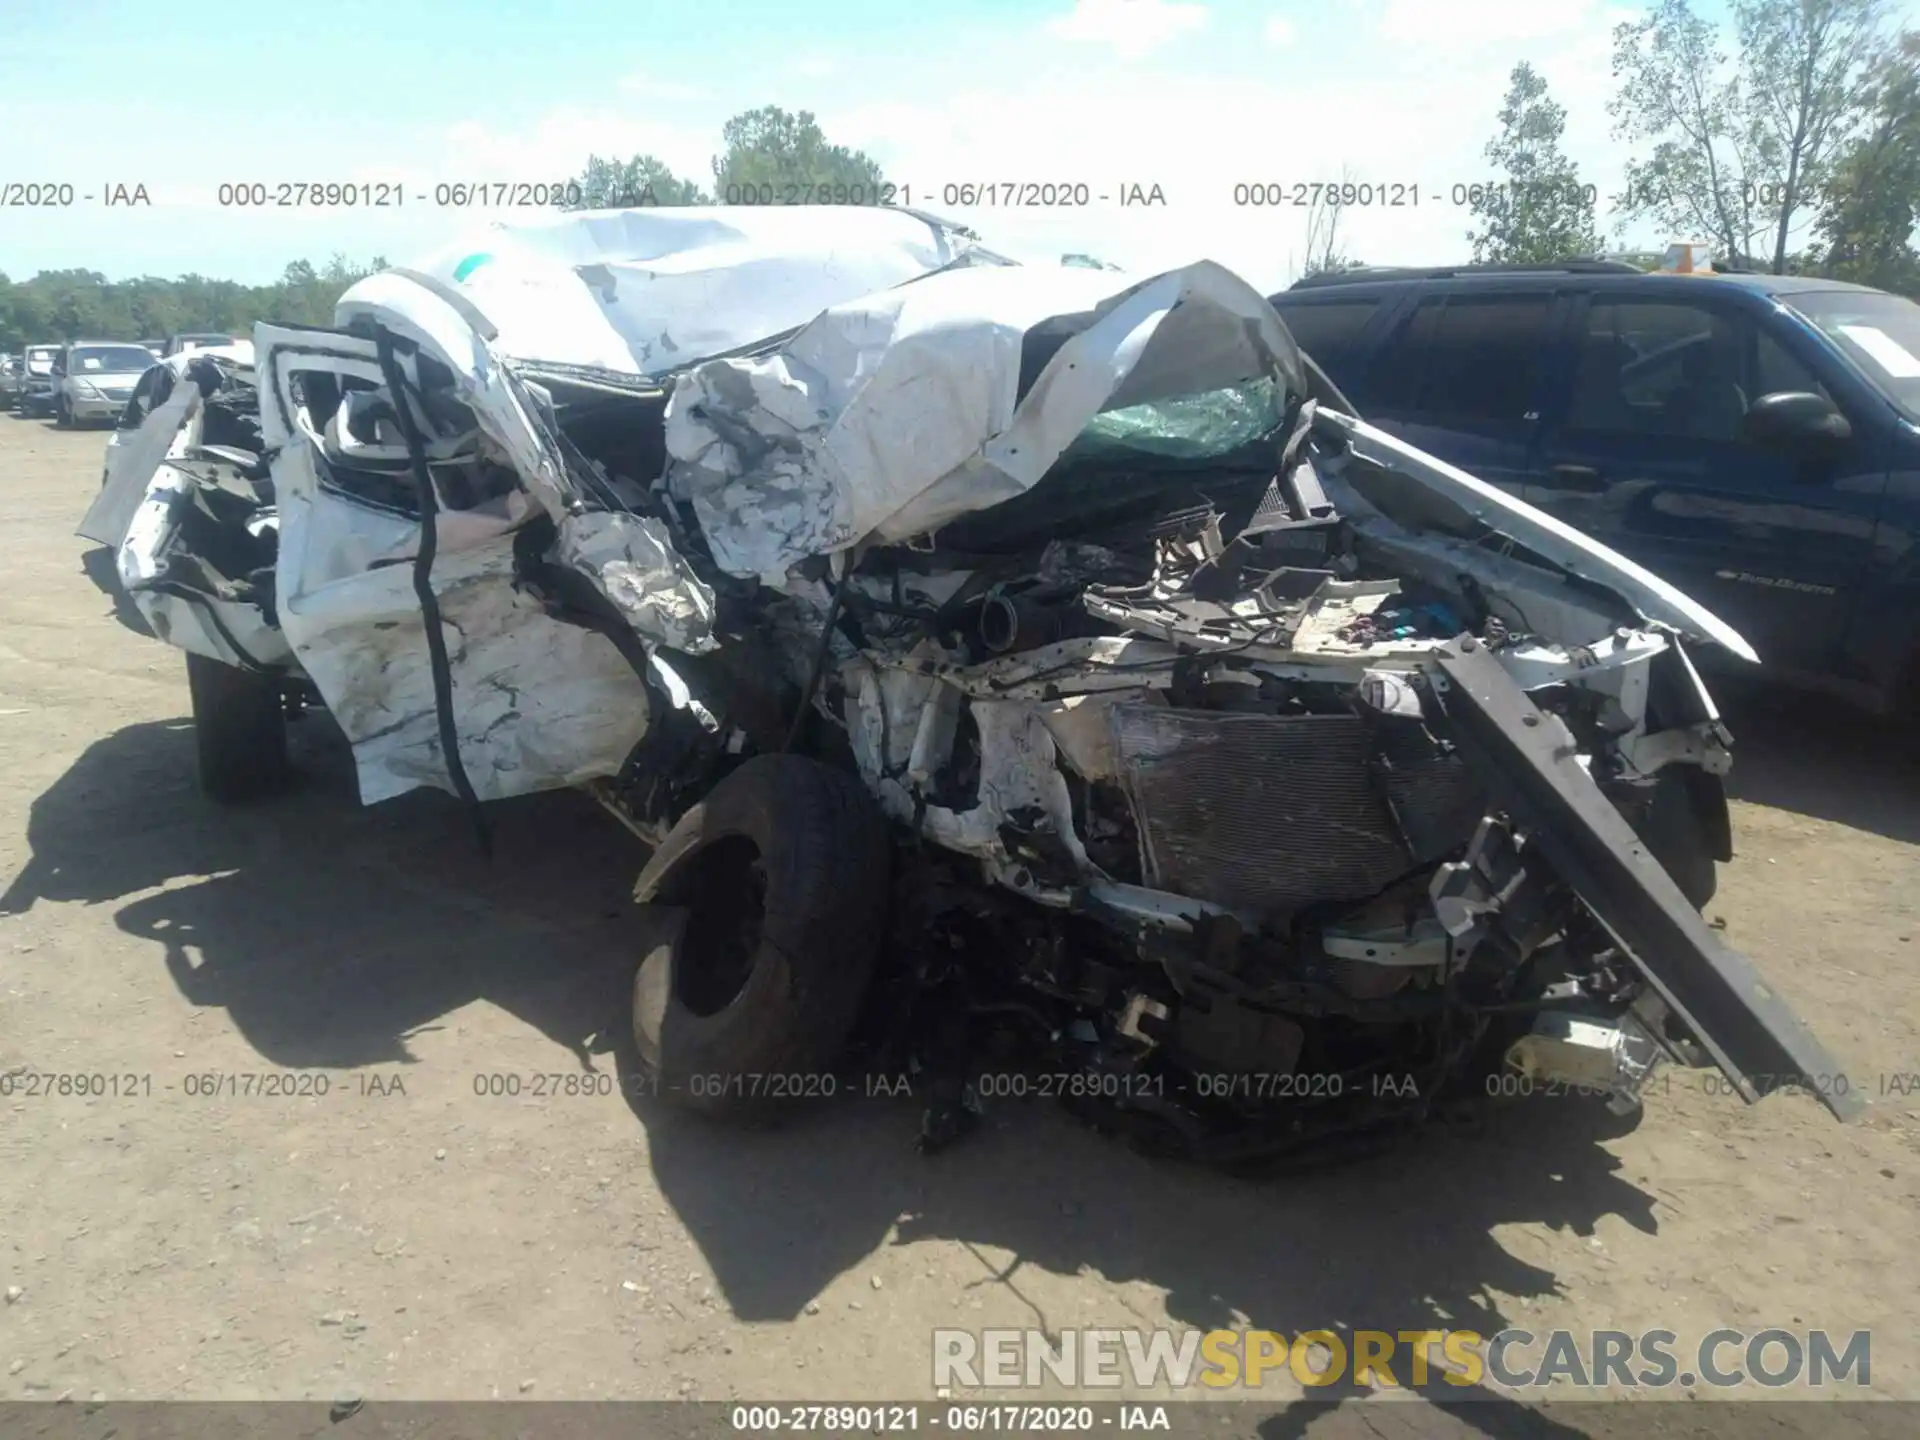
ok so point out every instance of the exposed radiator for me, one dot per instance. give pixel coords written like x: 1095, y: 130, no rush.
x: 1269, y: 813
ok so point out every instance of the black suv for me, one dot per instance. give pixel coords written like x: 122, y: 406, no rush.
x: 1752, y: 439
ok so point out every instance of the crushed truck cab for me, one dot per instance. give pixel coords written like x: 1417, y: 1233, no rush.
x: 999, y: 659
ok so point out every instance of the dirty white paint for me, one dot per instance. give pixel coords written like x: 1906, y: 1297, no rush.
x: 538, y: 704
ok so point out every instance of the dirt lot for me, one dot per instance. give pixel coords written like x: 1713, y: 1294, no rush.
x: 405, y: 1236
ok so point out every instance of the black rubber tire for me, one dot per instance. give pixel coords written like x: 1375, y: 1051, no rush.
x: 810, y: 844
x: 240, y: 730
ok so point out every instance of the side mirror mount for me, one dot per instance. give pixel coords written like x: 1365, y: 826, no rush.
x: 1795, y: 420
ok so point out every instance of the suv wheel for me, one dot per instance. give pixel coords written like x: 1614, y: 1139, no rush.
x: 766, y: 911
x: 240, y: 729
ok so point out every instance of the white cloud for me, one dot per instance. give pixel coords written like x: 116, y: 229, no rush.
x: 653, y: 88
x: 1131, y: 28
x: 1460, y: 24
x: 1387, y: 113
x: 815, y: 67
x: 1279, y: 30
x: 558, y: 145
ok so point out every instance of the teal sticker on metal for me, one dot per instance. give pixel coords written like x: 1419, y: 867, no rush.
x: 472, y: 263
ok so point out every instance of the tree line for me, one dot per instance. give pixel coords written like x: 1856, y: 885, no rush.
x: 84, y: 304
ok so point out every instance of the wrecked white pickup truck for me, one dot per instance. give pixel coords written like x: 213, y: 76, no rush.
x: 1007, y: 664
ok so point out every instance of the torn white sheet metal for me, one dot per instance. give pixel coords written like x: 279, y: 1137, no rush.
x: 208, y: 625
x: 654, y: 289
x: 1652, y: 597
x: 499, y: 400
x: 538, y: 703
x: 630, y: 559
x: 1019, y: 774
x: 895, y: 413
x: 169, y: 430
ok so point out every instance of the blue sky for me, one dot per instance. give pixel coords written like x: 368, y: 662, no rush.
x: 1194, y: 96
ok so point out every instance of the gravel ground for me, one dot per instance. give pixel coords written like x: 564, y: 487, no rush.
x: 405, y: 1236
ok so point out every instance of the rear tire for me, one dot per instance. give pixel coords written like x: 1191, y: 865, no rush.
x: 767, y: 909
x: 240, y: 730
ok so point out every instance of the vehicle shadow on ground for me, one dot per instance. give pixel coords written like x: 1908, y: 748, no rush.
x: 1406, y: 1240
x: 99, y: 567
x: 330, y: 934
x: 1808, y: 755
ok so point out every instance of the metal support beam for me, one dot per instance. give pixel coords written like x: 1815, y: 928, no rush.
x: 1529, y: 758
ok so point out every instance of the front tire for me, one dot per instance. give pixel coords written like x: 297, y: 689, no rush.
x: 240, y: 730
x: 767, y: 908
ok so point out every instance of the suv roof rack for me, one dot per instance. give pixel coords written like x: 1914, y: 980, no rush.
x: 1361, y: 274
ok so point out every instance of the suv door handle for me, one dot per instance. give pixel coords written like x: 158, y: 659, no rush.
x: 1578, y: 477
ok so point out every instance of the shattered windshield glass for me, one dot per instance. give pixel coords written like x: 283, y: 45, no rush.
x: 1203, y: 428
x: 1133, y: 464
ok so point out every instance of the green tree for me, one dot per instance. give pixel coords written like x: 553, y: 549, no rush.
x: 83, y: 304
x: 1537, y: 211
x: 610, y: 184
x: 1737, y: 152
x: 1675, y: 94
x: 1807, y: 66
x: 774, y: 150
x: 1873, y: 198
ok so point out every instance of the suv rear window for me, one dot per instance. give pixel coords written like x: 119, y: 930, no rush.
x: 1469, y: 358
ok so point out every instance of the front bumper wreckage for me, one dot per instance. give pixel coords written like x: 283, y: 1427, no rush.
x: 1269, y: 776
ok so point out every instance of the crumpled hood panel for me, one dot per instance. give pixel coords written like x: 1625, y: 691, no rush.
x: 651, y: 290
x: 893, y: 414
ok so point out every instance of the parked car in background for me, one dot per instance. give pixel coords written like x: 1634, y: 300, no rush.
x: 157, y: 348
x: 36, y: 383
x: 10, y: 381
x: 1752, y: 439
x: 95, y: 380
x: 187, y: 344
